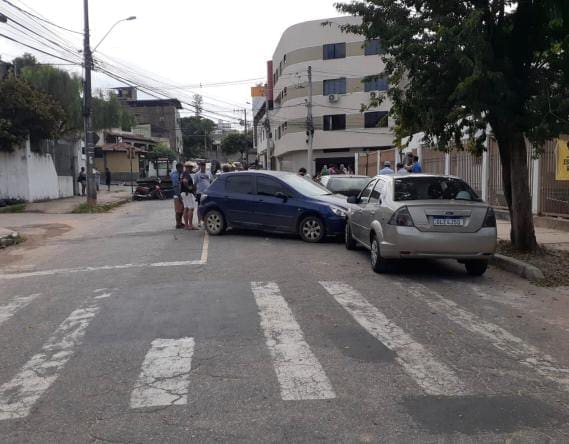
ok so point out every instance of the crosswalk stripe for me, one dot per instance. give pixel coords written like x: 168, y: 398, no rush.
x: 500, y: 338
x: 165, y: 376
x: 298, y: 371
x: 433, y: 376
x: 8, y: 310
x: 18, y: 396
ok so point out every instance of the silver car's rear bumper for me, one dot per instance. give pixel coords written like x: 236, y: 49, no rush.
x: 409, y: 242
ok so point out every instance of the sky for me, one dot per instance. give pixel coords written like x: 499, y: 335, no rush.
x: 177, y: 43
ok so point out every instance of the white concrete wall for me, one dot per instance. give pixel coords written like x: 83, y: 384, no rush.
x: 28, y: 175
x: 65, y: 185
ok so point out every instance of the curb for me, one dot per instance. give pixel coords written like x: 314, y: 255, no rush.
x: 518, y: 267
x: 11, y: 238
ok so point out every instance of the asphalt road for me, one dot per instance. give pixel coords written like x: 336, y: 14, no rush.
x: 118, y: 328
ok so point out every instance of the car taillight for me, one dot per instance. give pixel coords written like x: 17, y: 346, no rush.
x: 402, y: 218
x: 490, y: 219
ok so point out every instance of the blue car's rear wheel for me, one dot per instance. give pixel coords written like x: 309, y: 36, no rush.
x: 311, y: 229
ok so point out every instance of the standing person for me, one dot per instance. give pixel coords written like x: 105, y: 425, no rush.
x: 386, y: 168
x: 343, y: 169
x: 324, y: 171
x: 82, y: 179
x: 225, y: 168
x: 416, y: 167
x: 108, y: 178
x: 176, y: 176
x: 401, y: 169
x: 202, y: 180
x: 187, y: 192
x: 302, y: 172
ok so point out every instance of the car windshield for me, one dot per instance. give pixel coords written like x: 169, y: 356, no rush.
x: 433, y: 188
x: 305, y: 186
x: 340, y: 184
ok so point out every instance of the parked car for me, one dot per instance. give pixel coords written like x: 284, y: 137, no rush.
x: 275, y: 202
x: 422, y: 216
x: 348, y: 185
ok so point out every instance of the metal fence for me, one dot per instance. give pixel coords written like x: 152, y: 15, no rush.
x: 553, y: 198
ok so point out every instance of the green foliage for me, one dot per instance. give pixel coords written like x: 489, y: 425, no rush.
x: 26, y: 112
x: 109, y: 113
x: 237, y: 143
x: 161, y: 152
x: 62, y: 86
x: 465, y: 64
x: 197, y: 102
x: 193, y: 130
x: 16, y: 208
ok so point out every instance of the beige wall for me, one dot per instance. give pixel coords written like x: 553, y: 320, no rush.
x: 117, y: 162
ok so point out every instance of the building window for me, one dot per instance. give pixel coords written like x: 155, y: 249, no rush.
x: 334, y: 122
x: 376, y: 119
x: 376, y: 84
x: 334, y: 51
x: 334, y: 86
x: 372, y: 47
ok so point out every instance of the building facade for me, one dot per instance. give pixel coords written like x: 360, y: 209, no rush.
x: 346, y: 71
x: 162, y: 115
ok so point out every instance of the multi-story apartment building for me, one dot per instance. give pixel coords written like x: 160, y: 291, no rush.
x: 343, y: 67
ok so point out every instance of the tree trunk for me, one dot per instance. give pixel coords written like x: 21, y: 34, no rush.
x: 515, y: 177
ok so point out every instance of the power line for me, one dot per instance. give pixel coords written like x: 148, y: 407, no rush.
x: 40, y: 18
x: 37, y: 49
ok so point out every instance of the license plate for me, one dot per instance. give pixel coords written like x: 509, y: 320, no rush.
x: 448, y: 221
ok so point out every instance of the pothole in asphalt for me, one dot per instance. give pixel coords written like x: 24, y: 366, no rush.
x: 474, y: 414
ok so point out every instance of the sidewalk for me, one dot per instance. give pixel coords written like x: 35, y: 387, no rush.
x: 67, y: 205
x: 549, y: 237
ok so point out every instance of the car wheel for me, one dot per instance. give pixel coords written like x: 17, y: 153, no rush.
x: 311, y: 229
x: 476, y: 268
x: 378, y: 264
x: 214, y: 222
x: 349, y: 241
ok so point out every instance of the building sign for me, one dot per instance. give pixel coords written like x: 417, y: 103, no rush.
x: 562, y: 171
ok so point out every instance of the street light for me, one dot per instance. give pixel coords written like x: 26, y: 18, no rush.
x: 132, y: 17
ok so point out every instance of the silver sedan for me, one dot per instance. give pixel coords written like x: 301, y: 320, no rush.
x: 422, y: 216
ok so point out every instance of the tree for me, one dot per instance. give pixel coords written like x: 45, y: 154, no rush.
x: 26, y: 112
x: 237, y: 143
x: 198, y: 105
x: 456, y: 67
x: 109, y: 113
x: 196, y: 132
x: 161, y: 151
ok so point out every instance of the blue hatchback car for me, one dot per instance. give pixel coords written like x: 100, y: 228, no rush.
x: 273, y: 201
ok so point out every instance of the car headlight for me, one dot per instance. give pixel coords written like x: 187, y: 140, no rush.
x: 338, y: 211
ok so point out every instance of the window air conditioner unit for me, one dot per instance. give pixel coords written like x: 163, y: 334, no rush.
x: 332, y: 98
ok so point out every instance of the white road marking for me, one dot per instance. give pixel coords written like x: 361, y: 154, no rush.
x: 165, y: 376
x: 8, y: 310
x: 299, y: 373
x: 28, y: 274
x: 500, y: 338
x: 18, y: 396
x: 433, y: 376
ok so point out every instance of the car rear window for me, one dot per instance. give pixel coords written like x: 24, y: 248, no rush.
x: 433, y: 188
x: 347, y: 183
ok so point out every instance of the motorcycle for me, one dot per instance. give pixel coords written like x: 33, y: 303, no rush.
x: 149, y: 192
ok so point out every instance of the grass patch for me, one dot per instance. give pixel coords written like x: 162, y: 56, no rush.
x: 99, y: 208
x: 553, y: 263
x: 17, y: 208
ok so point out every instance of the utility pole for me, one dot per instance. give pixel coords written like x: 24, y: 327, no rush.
x: 310, y: 125
x: 246, y: 136
x: 269, y: 137
x: 88, y: 122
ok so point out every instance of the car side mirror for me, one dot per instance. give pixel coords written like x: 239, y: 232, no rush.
x: 353, y: 200
x: 283, y: 196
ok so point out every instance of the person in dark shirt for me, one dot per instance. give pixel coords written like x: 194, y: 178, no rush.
x: 108, y: 179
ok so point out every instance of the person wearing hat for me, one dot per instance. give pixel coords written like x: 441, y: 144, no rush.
x: 187, y: 189
x: 386, y: 168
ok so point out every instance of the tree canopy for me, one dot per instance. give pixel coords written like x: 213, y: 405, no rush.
x: 193, y: 130
x: 26, y: 112
x: 237, y: 143
x: 456, y: 67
